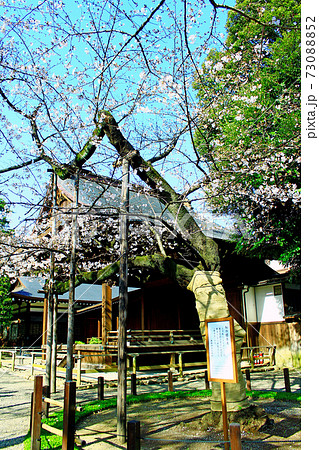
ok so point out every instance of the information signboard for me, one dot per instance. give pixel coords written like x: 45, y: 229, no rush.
x: 221, y: 351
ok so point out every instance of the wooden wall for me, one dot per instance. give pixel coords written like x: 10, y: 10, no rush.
x: 286, y: 336
x: 160, y: 306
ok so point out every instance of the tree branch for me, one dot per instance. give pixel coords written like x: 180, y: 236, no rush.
x: 20, y: 166
x: 157, y: 263
x: 206, y: 247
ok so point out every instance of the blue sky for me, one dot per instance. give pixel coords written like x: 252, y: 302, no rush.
x: 33, y: 177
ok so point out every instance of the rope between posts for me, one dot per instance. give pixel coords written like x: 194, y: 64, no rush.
x: 260, y: 441
x: 184, y: 440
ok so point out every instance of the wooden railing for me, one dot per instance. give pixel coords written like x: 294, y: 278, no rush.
x: 39, y: 408
x: 154, y: 338
x: 258, y: 356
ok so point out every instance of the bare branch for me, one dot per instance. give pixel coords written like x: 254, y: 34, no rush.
x: 20, y: 166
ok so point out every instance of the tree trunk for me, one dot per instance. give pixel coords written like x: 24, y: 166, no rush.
x: 211, y: 303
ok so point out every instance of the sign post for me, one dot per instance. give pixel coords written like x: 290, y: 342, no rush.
x: 221, y: 359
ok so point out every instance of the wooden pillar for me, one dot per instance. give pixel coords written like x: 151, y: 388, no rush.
x: 69, y: 415
x: 206, y: 380
x: 44, y: 325
x: 36, y: 413
x: 235, y: 436
x: 78, y: 370
x: 100, y: 388
x: 54, y: 343
x: 45, y: 405
x: 133, y: 435
x: 49, y: 333
x: 123, y: 300
x: 71, y: 302
x: 106, y: 316
x: 248, y: 381
x: 180, y: 364
x: 179, y: 317
x: 287, y: 380
x: 27, y: 322
x: 133, y: 383
x: 142, y: 312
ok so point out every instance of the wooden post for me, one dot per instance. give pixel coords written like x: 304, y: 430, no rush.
x: 31, y: 411
x: 100, y: 388
x: 206, y: 380
x: 273, y: 357
x: 106, y: 311
x: 172, y: 360
x: 32, y: 363
x: 235, y: 437
x: 70, y: 335
x: 133, y: 435
x: 78, y: 369
x: 224, y: 410
x: 44, y: 325
x: 180, y: 364
x: 36, y: 413
x: 106, y: 317
x: 142, y: 312
x: 133, y: 383
x: 248, y: 382
x: 252, y: 365
x: 104, y: 329
x: 170, y: 381
x: 13, y: 363
x: 54, y: 342
x: 50, y: 293
x: 48, y: 358
x: 123, y: 300
x: 134, y: 364
x: 69, y: 416
x: 45, y: 405
x: 287, y: 380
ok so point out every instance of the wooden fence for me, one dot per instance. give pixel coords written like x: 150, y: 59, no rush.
x: 134, y: 436
x: 148, y: 338
x: 258, y: 356
x: 40, y: 405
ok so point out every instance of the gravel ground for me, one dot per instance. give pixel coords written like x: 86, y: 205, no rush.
x: 16, y: 388
x: 15, y: 396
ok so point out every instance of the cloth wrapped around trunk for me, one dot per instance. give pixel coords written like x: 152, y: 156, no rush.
x: 211, y: 303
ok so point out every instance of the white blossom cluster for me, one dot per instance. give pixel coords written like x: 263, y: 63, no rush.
x: 97, y: 245
x: 250, y: 127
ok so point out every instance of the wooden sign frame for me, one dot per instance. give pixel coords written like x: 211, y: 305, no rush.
x: 221, y: 350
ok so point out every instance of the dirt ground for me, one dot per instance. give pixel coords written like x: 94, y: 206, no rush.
x: 181, y: 424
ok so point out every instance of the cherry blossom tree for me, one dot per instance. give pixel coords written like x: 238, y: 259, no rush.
x: 84, y: 85
x: 250, y: 101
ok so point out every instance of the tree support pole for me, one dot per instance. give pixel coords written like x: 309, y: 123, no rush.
x: 123, y: 300
x: 50, y: 321
x: 70, y: 337
x: 54, y: 343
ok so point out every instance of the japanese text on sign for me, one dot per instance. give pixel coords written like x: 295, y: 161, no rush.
x: 221, y: 358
